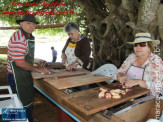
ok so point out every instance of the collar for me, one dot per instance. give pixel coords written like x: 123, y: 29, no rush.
x: 80, y: 38
x: 25, y: 34
x: 150, y: 58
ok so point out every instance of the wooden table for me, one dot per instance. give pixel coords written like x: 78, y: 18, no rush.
x: 57, y: 97
x: 89, y: 103
x: 70, y: 102
x: 60, y: 73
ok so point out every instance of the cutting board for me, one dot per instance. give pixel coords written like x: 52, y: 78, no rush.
x: 87, y: 101
x: 60, y: 73
x: 70, y: 82
x: 56, y: 65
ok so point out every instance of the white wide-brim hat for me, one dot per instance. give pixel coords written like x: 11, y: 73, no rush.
x: 144, y: 37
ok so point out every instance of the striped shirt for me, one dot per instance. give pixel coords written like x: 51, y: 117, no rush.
x: 17, y: 48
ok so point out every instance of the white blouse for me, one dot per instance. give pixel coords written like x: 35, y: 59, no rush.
x: 153, y: 74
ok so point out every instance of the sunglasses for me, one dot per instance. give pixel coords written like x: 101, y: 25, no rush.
x: 142, y: 44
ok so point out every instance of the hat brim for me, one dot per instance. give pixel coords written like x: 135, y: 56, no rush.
x: 154, y: 42
x: 18, y: 21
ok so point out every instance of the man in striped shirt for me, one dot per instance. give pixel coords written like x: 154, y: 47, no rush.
x: 20, y: 62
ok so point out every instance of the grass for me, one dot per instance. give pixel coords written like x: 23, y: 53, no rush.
x: 3, y: 62
x: 38, y: 38
x: 3, y: 59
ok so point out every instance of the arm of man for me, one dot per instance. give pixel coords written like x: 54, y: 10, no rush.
x: 26, y: 66
x: 17, y: 49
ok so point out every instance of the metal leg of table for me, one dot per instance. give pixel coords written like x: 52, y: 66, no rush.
x: 76, y: 119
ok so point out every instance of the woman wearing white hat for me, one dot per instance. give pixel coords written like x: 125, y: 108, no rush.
x: 143, y: 67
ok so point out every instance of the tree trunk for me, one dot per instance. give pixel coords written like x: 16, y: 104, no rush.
x: 114, y: 23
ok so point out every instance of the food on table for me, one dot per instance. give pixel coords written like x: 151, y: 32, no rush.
x: 119, y: 85
x: 41, y: 63
x: 104, y: 93
x: 128, y: 90
x: 114, y: 93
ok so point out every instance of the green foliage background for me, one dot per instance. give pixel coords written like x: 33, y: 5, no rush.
x: 5, y: 5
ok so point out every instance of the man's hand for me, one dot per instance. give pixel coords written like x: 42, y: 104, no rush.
x: 43, y: 70
x: 42, y: 63
x: 121, y: 77
x: 26, y: 66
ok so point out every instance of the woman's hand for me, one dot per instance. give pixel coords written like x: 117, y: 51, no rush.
x: 121, y: 77
x: 133, y: 82
x: 72, y: 66
x: 64, y: 58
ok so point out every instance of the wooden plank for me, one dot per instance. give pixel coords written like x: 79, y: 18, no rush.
x: 56, y: 65
x: 87, y: 101
x: 70, y: 82
x: 3, y: 50
x: 138, y: 113
x: 57, y: 74
x: 58, y: 97
x: 37, y: 27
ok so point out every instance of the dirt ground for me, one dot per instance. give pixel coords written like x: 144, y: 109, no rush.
x: 44, y: 110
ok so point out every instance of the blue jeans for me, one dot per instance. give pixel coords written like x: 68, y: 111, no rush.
x: 54, y: 59
x: 11, y: 82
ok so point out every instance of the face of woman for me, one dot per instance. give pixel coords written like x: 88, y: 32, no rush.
x: 141, y: 49
x: 74, y: 35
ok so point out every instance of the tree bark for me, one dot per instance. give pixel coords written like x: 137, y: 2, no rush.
x: 160, y: 27
x: 114, y: 23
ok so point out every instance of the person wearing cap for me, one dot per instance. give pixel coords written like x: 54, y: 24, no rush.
x: 143, y: 67
x: 77, y: 50
x: 20, y: 62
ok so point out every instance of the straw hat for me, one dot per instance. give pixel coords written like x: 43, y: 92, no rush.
x: 144, y: 37
x: 28, y: 17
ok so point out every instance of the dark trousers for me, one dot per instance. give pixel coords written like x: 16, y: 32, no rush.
x: 29, y: 109
x: 54, y: 59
